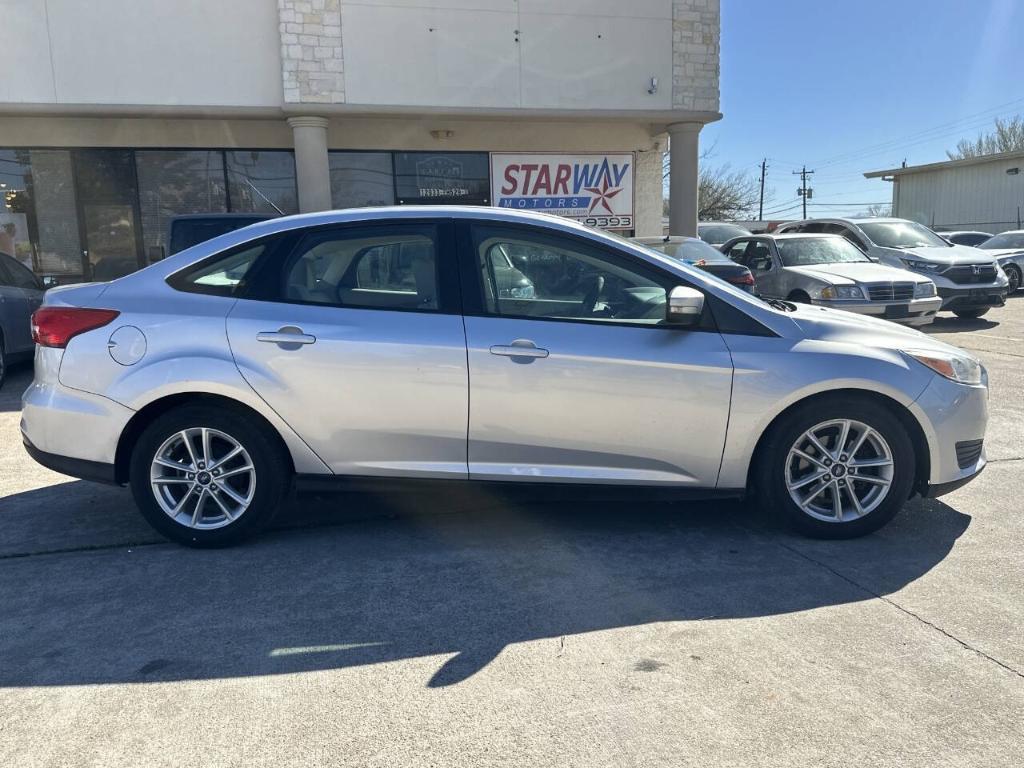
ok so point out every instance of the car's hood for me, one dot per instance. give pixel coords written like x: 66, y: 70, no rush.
x: 939, y: 254
x: 1000, y: 253
x: 857, y: 272
x: 827, y: 324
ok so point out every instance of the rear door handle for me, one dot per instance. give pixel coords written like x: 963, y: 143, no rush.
x: 288, y: 334
x: 519, y: 348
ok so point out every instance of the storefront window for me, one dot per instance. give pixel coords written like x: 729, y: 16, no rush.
x: 16, y: 206
x: 173, y: 183
x: 262, y: 182
x: 436, y: 178
x: 360, y: 179
x: 108, y: 204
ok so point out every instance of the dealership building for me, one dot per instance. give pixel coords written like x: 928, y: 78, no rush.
x: 123, y: 114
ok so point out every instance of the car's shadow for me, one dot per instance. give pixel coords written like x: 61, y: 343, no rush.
x: 959, y: 325
x: 459, y: 575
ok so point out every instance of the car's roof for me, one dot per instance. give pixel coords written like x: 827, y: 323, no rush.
x: 202, y: 216
x: 865, y: 220
x: 964, y: 232
x: 1010, y: 232
x: 797, y: 235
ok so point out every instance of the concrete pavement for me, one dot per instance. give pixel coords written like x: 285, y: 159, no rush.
x: 475, y: 629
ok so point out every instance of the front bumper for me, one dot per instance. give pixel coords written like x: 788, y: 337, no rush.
x: 951, y: 413
x: 914, y: 312
x: 972, y: 296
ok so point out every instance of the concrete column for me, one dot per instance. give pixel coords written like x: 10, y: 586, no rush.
x: 682, y: 185
x: 312, y: 174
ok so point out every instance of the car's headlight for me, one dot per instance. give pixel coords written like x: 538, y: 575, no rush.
x: 922, y: 266
x: 523, y: 292
x: 924, y: 290
x: 842, y: 292
x: 959, y: 368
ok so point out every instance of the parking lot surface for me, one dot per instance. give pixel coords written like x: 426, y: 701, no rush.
x: 472, y: 628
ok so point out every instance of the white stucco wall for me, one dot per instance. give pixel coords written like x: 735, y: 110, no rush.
x: 141, y: 52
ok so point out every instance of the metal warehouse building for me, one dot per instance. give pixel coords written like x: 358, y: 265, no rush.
x: 116, y: 116
x: 984, y: 193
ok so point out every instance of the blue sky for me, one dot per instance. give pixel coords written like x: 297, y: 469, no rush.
x: 858, y: 86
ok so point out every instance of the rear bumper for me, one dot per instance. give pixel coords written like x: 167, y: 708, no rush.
x: 71, y: 424
x: 95, y: 471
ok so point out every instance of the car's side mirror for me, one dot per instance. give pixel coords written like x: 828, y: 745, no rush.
x: 685, y: 306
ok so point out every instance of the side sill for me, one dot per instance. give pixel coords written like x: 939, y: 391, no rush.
x: 312, y: 483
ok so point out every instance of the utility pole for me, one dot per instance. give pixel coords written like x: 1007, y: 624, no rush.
x: 804, y: 192
x: 760, y: 205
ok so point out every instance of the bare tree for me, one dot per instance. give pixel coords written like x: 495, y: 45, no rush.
x: 876, y: 211
x: 722, y: 193
x: 1008, y: 136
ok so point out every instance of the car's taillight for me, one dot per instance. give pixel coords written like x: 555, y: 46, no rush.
x: 747, y: 279
x: 56, y: 326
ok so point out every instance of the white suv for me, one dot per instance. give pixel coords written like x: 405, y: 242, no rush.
x: 969, y: 281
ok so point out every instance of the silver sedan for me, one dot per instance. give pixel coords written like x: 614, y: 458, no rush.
x: 830, y: 271
x: 376, y: 345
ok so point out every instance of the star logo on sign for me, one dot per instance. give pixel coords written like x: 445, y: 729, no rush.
x: 602, y: 195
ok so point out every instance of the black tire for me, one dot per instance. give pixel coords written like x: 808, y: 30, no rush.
x: 770, y: 470
x: 1013, y: 274
x: 799, y: 297
x: 970, y: 314
x: 272, y: 474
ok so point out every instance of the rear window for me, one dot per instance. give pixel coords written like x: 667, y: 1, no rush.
x: 188, y: 232
x: 220, y: 275
x: 1005, y: 240
x: 717, y: 234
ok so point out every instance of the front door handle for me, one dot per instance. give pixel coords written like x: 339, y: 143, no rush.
x: 288, y: 334
x: 519, y: 348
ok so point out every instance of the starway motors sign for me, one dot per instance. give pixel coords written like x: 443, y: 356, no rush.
x: 596, y: 189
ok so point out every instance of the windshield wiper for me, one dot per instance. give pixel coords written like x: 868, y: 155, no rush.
x: 785, y: 306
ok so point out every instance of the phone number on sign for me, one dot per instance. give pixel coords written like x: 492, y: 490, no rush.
x: 607, y: 222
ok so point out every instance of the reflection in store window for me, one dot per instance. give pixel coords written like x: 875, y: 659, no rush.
x: 360, y: 179
x: 173, y: 183
x: 262, y: 181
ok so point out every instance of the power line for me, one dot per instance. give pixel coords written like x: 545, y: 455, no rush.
x: 804, y: 192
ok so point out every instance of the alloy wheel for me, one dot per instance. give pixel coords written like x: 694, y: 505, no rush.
x: 839, y: 470
x: 1014, y: 276
x: 202, y: 478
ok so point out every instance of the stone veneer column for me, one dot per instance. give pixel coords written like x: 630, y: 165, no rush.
x: 312, y: 174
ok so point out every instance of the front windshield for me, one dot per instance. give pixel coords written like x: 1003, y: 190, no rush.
x: 719, y: 233
x: 1005, y: 240
x: 804, y: 251
x: 901, y: 234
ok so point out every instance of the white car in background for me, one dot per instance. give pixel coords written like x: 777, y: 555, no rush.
x: 969, y: 280
x: 1008, y: 250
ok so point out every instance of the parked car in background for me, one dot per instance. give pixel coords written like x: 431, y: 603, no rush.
x: 829, y: 271
x: 312, y: 366
x: 21, y: 293
x: 191, y: 229
x: 969, y: 281
x: 696, y: 252
x: 717, y: 232
x: 965, y: 237
x: 1008, y: 250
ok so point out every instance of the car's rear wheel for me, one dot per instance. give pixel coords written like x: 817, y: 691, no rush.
x: 208, y: 477
x: 970, y: 314
x: 837, y: 468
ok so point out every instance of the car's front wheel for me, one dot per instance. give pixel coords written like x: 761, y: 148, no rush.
x: 1013, y: 275
x: 208, y: 477
x: 837, y: 468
